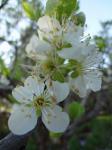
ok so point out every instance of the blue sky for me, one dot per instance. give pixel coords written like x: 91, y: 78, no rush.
x: 96, y: 11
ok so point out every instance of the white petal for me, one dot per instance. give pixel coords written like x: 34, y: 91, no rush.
x: 34, y: 86
x: 48, y: 24
x: 93, y: 58
x: 60, y: 90
x: 32, y: 45
x: 44, y: 23
x: 45, y: 35
x: 80, y: 52
x: 88, y: 49
x: 48, y: 27
x: 73, y: 35
x: 22, y: 94
x: 78, y: 85
x: 93, y: 80
x: 43, y: 47
x: 67, y: 53
x: 22, y: 120
x: 70, y: 37
x: 57, y: 121
x: 74, y: 52
x: 37, y: 47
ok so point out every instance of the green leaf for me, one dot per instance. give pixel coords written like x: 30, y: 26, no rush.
x: 18, y: 72
x: 51, y: 5
x: 3, y: 69
x: 68, y: 7
x: 75, y: 67
x: 74, y: 143
x: 28, y: 10
x: 100, y: 42
x: 55, y: 135
x: 61, y: 8
x: 75, y: 74
x: 31, y: 10
x: 79, y: 19
x: 31, y: 144
x: 75, y: 110
x: 58, y: 76
x: 101, y: 133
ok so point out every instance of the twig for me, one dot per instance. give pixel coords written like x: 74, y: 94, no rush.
x: 13, y: 142
x: 87, y: 117
x: 3, y: 3
x: 5, y: 90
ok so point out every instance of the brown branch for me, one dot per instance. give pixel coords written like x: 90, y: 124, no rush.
x: 13, y: 142
x: 87, y: 117
x: 3, y: 3
x: 5, y: 90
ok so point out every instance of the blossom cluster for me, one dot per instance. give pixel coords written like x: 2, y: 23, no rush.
x: 64, y: 61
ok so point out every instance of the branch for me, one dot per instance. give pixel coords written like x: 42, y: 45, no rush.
x: 5, y: 90
x: 15, y: 142
x: 11, y: 142
x: 87, y: 117
x: 3, y: 4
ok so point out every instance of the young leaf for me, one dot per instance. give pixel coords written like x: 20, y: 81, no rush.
x: 58, y: 76
x: 79, y: 19
x: 60, y: 8
x: 55, y: 135
x: 75, y: 110
x: 29, y: 10
x: 51, y: 6
x: 3, y: 69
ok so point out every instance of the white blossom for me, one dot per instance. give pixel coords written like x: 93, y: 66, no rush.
x: 59, y: 35
x: 44, y: 55
x: 49, y: 28
x: 86, y: 60
x: 52, y: 38
x: 34, y: 100
x: 37, y: 48
x: 66, y: 41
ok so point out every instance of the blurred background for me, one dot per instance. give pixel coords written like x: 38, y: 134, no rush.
x: 91, y: 125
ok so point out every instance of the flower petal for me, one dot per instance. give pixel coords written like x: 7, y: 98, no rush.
x: 22, y: 120
x: 55, y: 120
x: 93, y: 80
x: 93, y: 59
x: 22, y: 94
x: 48, y: 27
x: 78, y: 85
x: 60, y: 90
x: 37, y: 47
x: 71, y: 53
x: 35, y: 87
x: 73, y: 35
x: 48, y: 24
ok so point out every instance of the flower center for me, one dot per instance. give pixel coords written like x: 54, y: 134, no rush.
x: 39, y: 102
